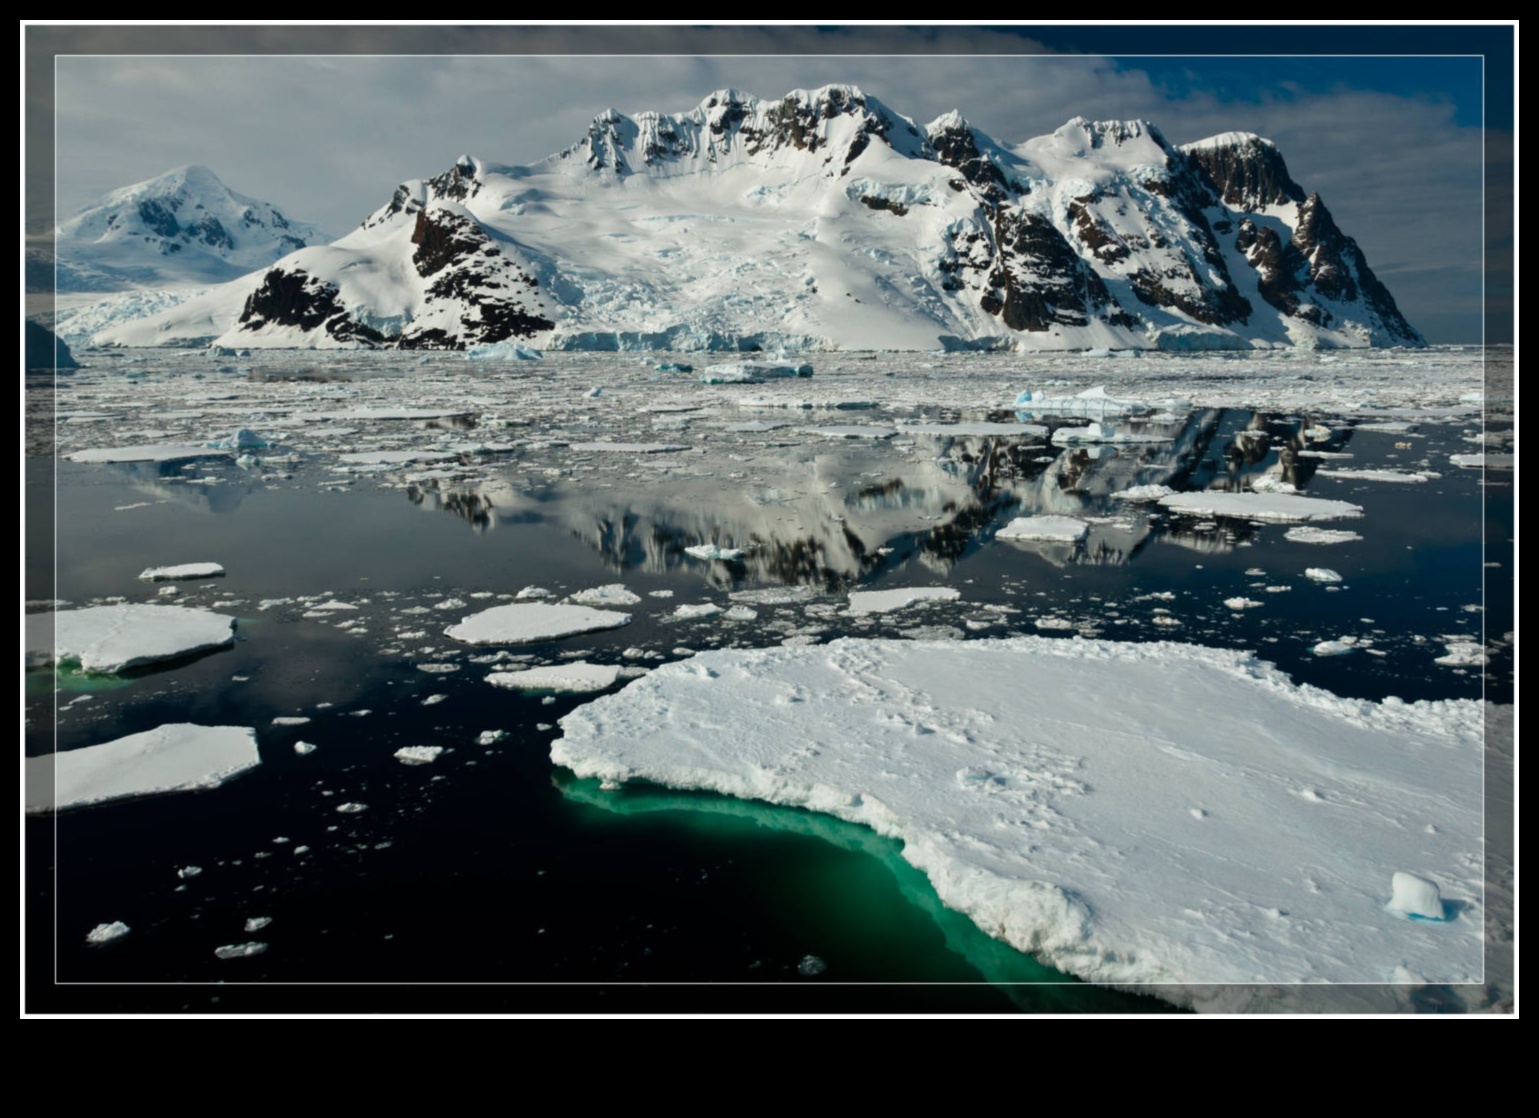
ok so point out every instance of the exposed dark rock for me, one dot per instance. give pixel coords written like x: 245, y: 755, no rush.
x: 1247, y: 175
x: 1338, y: 269
x: 458, y: 182
x: 159, y: 217
x: 873, y: 202
x: 1039, y: 281
x: 45, y: 350
x: 296, y: 298
x: 956, y: 147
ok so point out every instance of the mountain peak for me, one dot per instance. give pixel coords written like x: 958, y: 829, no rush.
x: 1247, y: 171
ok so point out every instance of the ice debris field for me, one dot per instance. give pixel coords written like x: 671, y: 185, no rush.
x: 830, y: 615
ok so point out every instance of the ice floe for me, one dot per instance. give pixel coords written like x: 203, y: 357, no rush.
x: 1077, y: 842
x: 1306, y: 534
x: 182, y: 571
x: 1322, y: 574
x: 1260, y: 506
x: 1091, y: 402
x: 177, y: 757
x: 1053, y: 529
x: 106, y: 933
x: 1376, y: 475
x: 239, y: 950
x: 885, y: 601
x: 416, y: 755
x: 711, y: 551
x: 535, y: 621
x: 577, y: 676
x: 150, y: 452
x: 115, y: 638
x: 613, y: 594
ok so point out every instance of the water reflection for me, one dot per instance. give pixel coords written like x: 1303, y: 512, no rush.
x: 808, y: 514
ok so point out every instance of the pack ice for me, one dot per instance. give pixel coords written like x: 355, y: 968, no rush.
x: 178, y: 757
x: 1131, y: 813
x: 115, y: 638
x: 525, y: 623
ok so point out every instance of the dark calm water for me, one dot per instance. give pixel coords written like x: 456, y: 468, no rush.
x: 492, y: 880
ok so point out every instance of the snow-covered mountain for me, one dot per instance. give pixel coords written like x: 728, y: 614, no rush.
x: 825, y: 220
x: 184, y: 227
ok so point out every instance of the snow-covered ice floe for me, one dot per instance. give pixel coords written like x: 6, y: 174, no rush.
x: 1131, y: 813
x: 1483, y: 461
x: 178, y: 757
x: 1091, y: 402
x: 115, y: 638
x: 1260, y: 506
x: 182, y: 571
x: 975, y: 427
x: 577, y: 676
x: 1375, y: 475
x: 1320, y: 535
x: 1054, y: 529
x: 535, y: 621
x: 150, y: 452
x: 712, y: 551
x: 752, y: 372
x: 885, y: 601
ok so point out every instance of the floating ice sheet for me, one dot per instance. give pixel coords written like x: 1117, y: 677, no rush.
x: 577, y: 676
x: 535, y: 621
x: 885, y: 601
x: 115, y: 638
x: 1260, y: 506
x: 182, y: 571
x: 178, y: 757
x: 1146, y: 812
x: 1055, y: 529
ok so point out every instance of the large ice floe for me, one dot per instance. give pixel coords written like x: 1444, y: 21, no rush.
x: 178, y: 757
x: 527, y: 623
x: 1260, y: 506
x: 1130, y: 813
x: 118, y: 637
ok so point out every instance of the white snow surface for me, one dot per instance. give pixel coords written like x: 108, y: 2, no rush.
x: 525, y: 623
x: 114, y: 638
x: 177, y: 757
x: 1260, y: 506
x: 1048, y: 787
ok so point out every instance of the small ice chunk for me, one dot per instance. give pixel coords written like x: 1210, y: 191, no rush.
x: 351, y: 808
x: 811, y: 966
x: 695, y: 610
x: 290, y: 720
x: 189, y: 871
x: 106, y: 933
x: 614, y: 594
x: 303, y: 747
x: 1335, y: 647
x: 182, y: 572
x: 532, y: 592
x: 712, y: 551
x: 418, y: 754
x: 257, y: 923
x: 1416, y: 896
x: 239, y: 950
x: 1322, y: 574
x: 1241, y: 603
x: 490, y: 737
x: 1143, y: 493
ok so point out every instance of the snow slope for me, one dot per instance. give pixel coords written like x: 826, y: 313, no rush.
x: 824, y: 220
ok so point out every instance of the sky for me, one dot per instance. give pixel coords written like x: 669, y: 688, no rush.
x: 324, y: 122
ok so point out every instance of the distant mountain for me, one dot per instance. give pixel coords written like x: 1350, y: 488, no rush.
x: 825, y: 220
x: 182, y: 227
